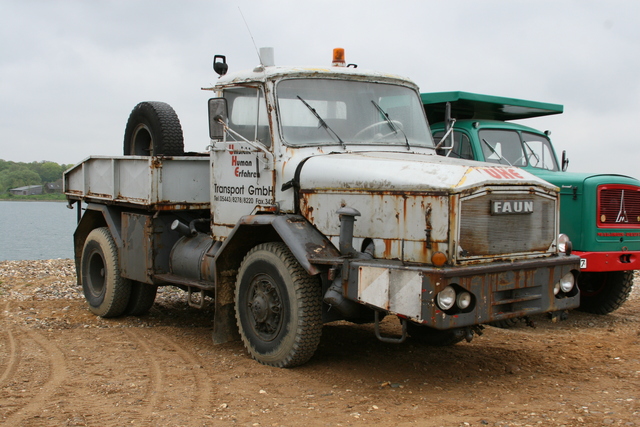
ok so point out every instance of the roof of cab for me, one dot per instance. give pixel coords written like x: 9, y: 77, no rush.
x: 467, y: 105
x: 262, y: 74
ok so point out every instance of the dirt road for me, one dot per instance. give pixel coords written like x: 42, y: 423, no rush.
x: 62, y: 366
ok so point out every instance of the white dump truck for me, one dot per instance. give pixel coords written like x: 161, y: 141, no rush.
x: 320, y: 198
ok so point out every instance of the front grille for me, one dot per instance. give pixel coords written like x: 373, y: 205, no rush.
x: 485, y: 235
x: 618, y: 206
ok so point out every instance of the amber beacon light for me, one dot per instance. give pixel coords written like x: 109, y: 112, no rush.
x: 338, y: 57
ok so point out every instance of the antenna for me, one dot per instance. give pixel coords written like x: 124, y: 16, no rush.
x: 251, y: 35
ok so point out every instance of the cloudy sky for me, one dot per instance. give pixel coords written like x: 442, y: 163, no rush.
x: 71, y: 71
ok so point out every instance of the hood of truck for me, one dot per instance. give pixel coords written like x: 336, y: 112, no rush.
x: 407, y: 172
x: 574, y: 182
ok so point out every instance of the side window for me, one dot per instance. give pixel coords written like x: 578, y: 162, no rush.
x: 248, y: 114
x: 461, y: 145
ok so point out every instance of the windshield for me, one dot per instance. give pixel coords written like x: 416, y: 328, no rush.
x: 509, y: 147
x: 328, y: 111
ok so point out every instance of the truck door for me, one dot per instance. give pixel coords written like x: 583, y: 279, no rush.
x: 241, y: 177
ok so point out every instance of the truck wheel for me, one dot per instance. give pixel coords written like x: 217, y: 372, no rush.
x: 153, y: 129
x: 141, y: 298
x: 434, y: 337
x: 278, y: 307
x: 104, y: 289
x: 604, y: 292
x: 506, y: 323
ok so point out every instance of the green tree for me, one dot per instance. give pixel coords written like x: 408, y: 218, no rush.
x: 17, y: 176
x: 49, y: 171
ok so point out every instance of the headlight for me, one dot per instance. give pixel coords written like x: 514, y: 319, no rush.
x: 446, y: 298
x: 564, y: 244
x: 556, y: 288
x: 567, y: 282
x: 463, y: 300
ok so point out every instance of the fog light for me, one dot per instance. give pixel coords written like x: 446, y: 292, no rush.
x: 567, y: 282
x: 463, y: 300
x: 446, y: 298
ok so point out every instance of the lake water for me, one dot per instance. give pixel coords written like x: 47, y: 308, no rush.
x: 36, y: 230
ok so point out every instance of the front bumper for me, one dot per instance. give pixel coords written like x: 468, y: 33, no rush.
x: 499, y: 290
x: 609, y: 261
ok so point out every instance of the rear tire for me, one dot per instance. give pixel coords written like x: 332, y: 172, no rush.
x: 153, y: 129
x: 278, y: 307
x: 434, y: 337
x: 141, y: 299
x: 604, y: 292
x: 106, y: 291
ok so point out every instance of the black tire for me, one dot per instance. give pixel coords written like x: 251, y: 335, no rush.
x: 434, y: 337
x: 604, y: 292
x: 141, y: 299
x: 278, y: 307
x: 106, y: 291
x: 506, y: 323
x: 153, y: 129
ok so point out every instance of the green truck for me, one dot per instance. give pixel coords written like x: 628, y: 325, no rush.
x: 599, y: 212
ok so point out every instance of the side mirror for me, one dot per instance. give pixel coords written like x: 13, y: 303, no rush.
x: 565, y: 160
x: 217, y: 112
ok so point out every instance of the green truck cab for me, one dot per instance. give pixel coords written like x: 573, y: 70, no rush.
x: 599, y: 212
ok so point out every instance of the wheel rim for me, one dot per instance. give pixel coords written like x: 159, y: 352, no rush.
x: 141, y: 141
x: 96, y: 274
x: 265, y: 308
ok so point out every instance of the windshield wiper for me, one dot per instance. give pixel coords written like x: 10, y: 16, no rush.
x: 390, y: 123
x: 526, y: 144
x: 495, y: 152
x: 321, y: 121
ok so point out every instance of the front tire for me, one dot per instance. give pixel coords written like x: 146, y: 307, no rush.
x: 106, y: 291
x: 604, y: 292
x: 278, y: 307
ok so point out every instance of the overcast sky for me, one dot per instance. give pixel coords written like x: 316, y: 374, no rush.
x: 71, y: 71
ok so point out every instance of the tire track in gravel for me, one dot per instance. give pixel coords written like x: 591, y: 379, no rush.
x: 12, y: 351
x: 155, y: 389
x: 203, y: 387
x: 178, y: 379
x: 56, y: 376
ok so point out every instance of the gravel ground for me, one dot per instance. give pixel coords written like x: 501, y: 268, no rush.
x: 61, y: 365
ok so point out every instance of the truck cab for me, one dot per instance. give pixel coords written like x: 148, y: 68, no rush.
x: 599, y: 212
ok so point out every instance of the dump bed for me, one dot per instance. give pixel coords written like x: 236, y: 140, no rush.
x: 155, y: 183
x: 467, y: 105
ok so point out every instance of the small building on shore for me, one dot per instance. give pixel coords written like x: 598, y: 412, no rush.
x: 28, y: 190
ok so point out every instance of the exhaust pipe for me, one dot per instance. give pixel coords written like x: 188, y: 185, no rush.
x: 347, y: 218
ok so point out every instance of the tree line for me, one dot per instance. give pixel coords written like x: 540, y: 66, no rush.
x: 18, y: 174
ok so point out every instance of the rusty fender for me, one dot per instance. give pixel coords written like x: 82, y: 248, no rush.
x: 304, y: 240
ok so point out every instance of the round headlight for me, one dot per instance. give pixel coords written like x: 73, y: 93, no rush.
x: 463, y: 300
x: 446, y: 298
x: 564, y: 244
x: 567, y: 282
x: 556, y: 288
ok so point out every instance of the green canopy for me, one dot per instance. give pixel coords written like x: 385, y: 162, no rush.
x: 467, y: 105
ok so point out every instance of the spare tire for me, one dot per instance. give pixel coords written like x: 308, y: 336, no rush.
x: 153, y: 129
